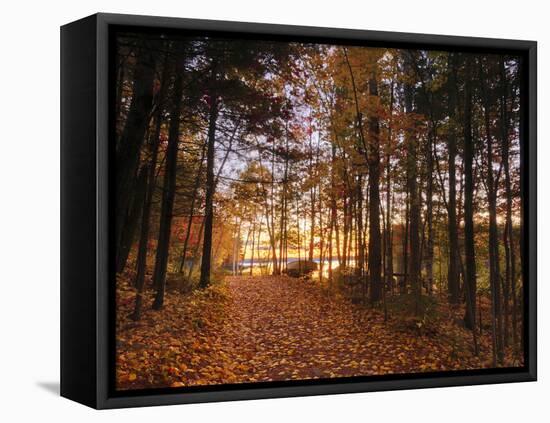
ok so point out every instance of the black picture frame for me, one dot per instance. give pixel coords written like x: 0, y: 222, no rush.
x: 86, y: 299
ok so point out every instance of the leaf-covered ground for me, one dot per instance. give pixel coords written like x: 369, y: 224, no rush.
x: 252, y: 329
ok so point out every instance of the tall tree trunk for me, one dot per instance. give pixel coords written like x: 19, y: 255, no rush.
x: 388, y: 243
x: 508, y: 232
x: 321, y: 239
x: 146, y: 217
x: 524, y: 192
x: 429, y: 254
x: 510, y: 283
x: 236, y: 246
x: 299, y: 241
x: 253, y: 244
x: 333, y: 213
x: 206, y: 262
x: 270, y: 232
x: 453, y: 273
x: 196, y: 250
x: 245, y: 250
x: 168, y: 194
x: 470, y: 283
x: 132, y: 221
x: 494, y: 265
x: 283, y: 220
x: 132, y: 138
x: 414, y: 199
x: 360, y: 263
x: 350, y: 228
x: 311, y: 199
x: 276, y: 264
x: 374, y: 133
x: 375, y: 241
x: 345, y: 230
x: 192, y: 209
x: 405, y: 238
x: 258, y: 246
x: 151, y: 169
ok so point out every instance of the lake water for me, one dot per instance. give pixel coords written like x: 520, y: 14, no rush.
x: 264, y: 266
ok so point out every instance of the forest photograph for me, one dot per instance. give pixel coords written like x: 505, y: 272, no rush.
x: 296, y: 211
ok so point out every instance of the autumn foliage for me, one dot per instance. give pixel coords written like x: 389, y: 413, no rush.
x: 292, y: 211
x: 278, y: 328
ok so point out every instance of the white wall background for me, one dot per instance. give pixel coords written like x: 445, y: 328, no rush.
x: 29, y: 211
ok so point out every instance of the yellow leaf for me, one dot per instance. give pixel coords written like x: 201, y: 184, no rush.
x: 177, y: 384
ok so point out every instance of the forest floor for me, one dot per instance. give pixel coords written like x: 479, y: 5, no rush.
x: 256, y: 329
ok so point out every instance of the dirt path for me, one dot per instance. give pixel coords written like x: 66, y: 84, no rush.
x: 290, y: 329
x: 256, y: 329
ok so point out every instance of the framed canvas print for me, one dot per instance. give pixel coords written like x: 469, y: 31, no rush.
x: 254, y: 211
